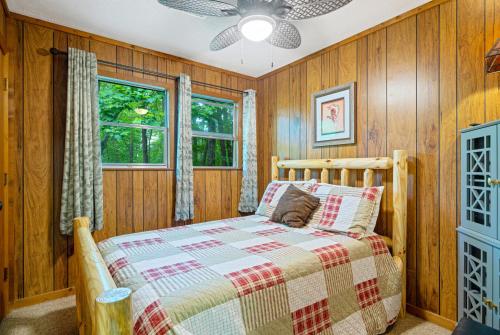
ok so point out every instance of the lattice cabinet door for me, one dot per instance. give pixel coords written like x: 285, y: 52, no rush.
x: 475, y: 280
x: 479, y: 165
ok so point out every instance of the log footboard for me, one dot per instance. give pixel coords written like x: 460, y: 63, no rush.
x: 102, y: 308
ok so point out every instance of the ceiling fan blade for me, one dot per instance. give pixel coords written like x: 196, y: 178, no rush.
x: 226, y: 38
x: 285, y: 36
x: 204, y: 7
x: 305, y: 9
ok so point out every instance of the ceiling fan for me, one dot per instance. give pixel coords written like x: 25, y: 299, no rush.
x: 260, y: 19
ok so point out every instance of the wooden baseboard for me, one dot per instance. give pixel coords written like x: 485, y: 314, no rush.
x: 37, y: 299
x: 431, y: 317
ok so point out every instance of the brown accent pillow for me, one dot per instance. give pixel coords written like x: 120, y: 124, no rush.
x: 295, y: 207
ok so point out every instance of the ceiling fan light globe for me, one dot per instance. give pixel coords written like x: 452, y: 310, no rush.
x: 256, y: 28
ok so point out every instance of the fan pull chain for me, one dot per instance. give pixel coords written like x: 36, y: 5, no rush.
x: 241, y: 51
x: 272, y: 56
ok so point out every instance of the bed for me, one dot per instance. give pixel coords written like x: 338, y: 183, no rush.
x: 249, y: 275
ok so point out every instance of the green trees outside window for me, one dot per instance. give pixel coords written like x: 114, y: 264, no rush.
x: 133, y: 123
x: 134, y: 129
x: 214, y: 131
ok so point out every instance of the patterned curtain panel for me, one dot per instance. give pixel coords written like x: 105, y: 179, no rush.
x: 248, y: 198
x: 184, y: 199
x: 82, y: 179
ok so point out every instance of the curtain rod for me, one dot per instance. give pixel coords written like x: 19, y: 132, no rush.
x: 55, y: 52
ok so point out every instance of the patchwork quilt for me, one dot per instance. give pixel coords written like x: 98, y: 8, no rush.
x: 249, y: 275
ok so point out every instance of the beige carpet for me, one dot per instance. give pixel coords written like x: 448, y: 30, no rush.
x: 57, y: 317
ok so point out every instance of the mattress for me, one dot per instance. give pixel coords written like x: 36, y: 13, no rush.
x: 249, y: 275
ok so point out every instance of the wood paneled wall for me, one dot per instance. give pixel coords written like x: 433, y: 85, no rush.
x: 419, y: 81
x: 134, y: 200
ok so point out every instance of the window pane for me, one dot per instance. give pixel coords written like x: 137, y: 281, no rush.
x: 212, y: 152
x: 123, y: 103
x: 212, y: 115
x: 125, y: 145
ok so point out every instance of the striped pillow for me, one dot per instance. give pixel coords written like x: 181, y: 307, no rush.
x: 345, y: 209
x: 275, y: 191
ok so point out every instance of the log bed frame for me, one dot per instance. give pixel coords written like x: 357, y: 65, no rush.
x: 102, y: 308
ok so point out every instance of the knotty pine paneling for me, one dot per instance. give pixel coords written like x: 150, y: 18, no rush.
x: 377, y: 109
x: 134, y: 200
x: 59, y: 124
x: 16, y: 134
x: 402, y: 116
x: 448, y: 159
x: 38, y: 164
x: 427, y: 177
x: 419, y: 81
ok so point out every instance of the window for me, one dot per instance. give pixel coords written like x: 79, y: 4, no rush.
x: 214, y: 132
x: 133, y: 123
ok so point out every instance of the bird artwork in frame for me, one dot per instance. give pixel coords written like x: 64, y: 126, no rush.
x: 334, y: 113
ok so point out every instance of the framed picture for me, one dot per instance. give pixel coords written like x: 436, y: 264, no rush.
x: 334, y: 113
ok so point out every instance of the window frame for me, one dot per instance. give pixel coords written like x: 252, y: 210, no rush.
x: 165, y: 129
x: 234, y: 137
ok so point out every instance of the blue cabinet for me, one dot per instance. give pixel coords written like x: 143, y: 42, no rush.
x: 479, y: 232
x: 474, y: 279
x: 479, y: 168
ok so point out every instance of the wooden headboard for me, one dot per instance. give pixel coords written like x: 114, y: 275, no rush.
x: 399, y: 166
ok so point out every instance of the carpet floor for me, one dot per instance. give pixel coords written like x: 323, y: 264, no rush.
x: 58, y: 317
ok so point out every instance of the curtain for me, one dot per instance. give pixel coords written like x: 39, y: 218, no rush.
x: 248, y: 198
x: 82, y: 176
x: 184, y: 199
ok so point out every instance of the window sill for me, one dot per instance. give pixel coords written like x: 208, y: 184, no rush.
x: 216, y: 168
x: 133, y: 168
x: 164, y: 168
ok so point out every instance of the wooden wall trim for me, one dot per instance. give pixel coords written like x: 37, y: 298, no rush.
x: 117, y: 43
x: 3, y: 32
x: 431, y: 317
x: 38, y: 299
x: 358, y: 36
x: 5, y: 8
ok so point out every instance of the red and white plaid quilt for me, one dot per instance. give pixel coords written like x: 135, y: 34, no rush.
x: 252, y: 276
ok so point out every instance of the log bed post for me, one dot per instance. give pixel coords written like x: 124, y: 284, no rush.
x: 275, y: 172
x: 399, y: 216
x: 102, y: 308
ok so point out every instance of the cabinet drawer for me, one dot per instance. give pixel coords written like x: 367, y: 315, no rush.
x: 475, y: 279
x: 479, y: 163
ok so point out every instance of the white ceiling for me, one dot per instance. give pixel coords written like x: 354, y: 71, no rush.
x: 148, y: 24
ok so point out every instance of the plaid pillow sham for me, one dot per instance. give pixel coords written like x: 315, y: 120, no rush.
x: 376, y: 210
x: 275, y: 191
x: 345, y: 209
